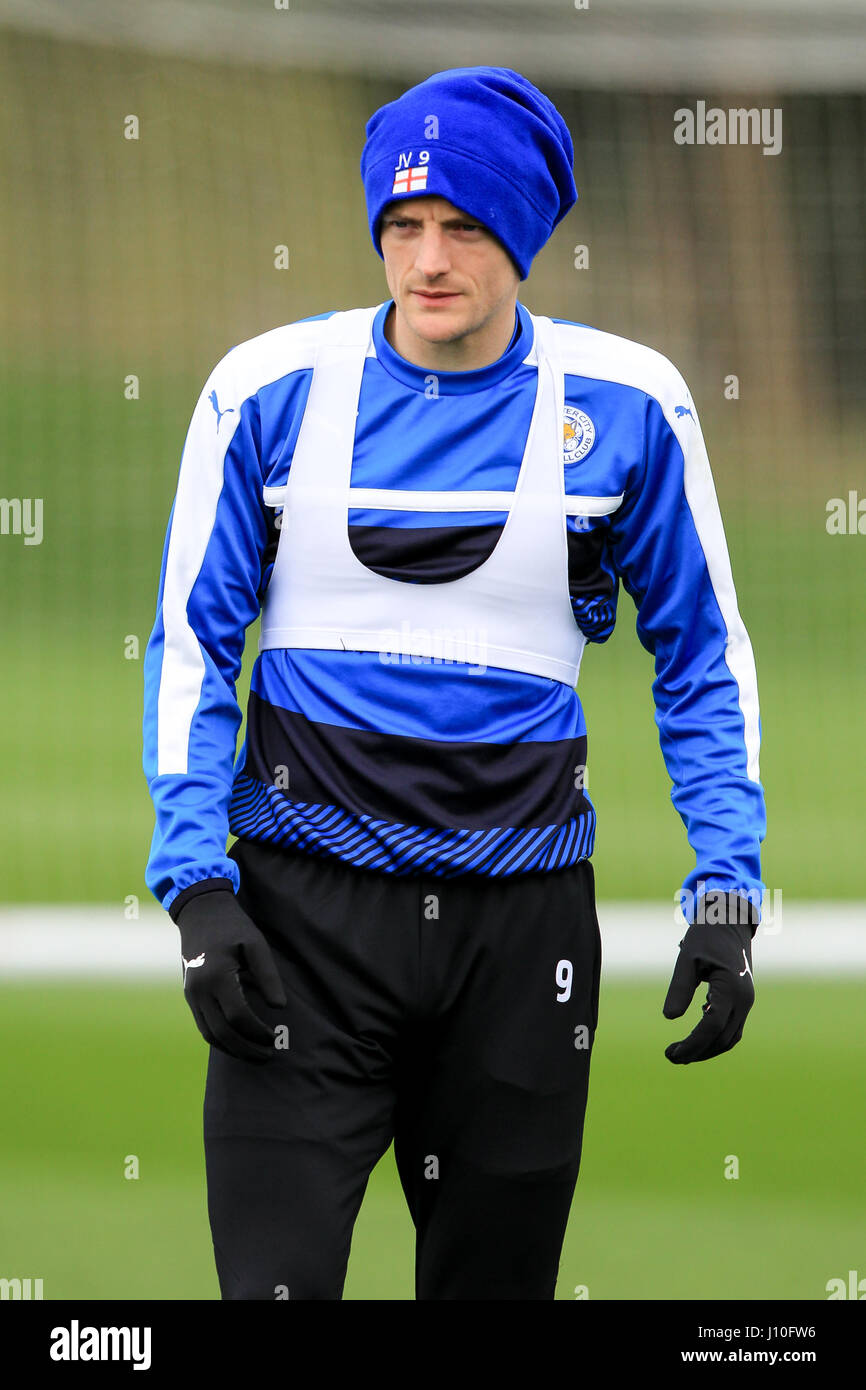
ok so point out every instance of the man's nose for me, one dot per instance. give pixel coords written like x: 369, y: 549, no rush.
x: 432, y: 258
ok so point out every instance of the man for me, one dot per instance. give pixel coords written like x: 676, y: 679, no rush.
x: 432, y: 502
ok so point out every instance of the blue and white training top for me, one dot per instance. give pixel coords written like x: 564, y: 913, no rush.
x: 425, y: 748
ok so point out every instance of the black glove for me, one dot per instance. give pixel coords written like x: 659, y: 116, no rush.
x: 221, y: 949
x: 721, y: 954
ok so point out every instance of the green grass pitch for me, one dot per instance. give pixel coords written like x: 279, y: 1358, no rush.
x: 91, y: 1075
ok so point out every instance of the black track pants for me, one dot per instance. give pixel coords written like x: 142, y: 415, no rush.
x: 453, y: 1016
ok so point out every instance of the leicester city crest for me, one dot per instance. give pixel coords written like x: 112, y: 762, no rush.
x: 578, y: 434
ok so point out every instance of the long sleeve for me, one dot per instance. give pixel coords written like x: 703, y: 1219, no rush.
x: 209, y: 593
x: 669, y: 548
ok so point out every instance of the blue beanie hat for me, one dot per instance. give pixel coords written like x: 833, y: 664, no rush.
x: 488, y: 141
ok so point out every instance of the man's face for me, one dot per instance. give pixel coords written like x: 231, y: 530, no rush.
x: 448, y: 275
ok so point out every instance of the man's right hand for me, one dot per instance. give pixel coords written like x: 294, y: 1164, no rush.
x: 219, y: 942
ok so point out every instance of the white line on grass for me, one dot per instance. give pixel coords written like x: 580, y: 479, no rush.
x: 97, y: 942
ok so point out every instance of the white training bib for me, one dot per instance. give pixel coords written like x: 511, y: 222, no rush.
x: 513, y: 611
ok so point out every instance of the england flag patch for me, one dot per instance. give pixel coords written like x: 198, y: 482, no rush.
x: 410, y: 180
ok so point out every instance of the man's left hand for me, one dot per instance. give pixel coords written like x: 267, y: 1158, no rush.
x: 721, y: 954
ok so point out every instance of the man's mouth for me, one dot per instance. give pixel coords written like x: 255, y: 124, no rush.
x: 433, y: 296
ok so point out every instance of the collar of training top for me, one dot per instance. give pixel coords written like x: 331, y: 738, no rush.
x: 453, y: 383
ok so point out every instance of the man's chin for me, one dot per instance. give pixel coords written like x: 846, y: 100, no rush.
x: 438, y: 323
